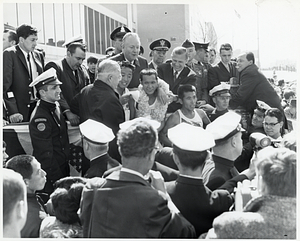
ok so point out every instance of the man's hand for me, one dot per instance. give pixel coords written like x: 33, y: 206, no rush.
x: 157, y: 181
x: 162, y: 96
x: 74, y: 119
x: 16, y: 118
x: 125, y: 98
x: 207, y: 108
x: 5, y: 122
x: 250, y: 172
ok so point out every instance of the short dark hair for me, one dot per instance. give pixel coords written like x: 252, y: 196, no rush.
x: 73, y: 46
x: 138, y: 140
x: 275, y: 112
x: 126, y: 64
x: 21, y: 164
x: 191, y: 159
x: 250, y: 56
x: 185, y: 88
x: 213, y: 50
x: 66, y: 203
x: 66, y: 182
x: 25, y: 30
x: 225, y: 46
x: 148, y: 72
x: 13, y: 191
x: 288, y: 93
x: 92, y: 60
x: 12, y: 35
x: 279, y: 172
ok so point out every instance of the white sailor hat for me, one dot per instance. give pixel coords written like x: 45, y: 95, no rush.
x: 96, y: 132
x: 48, y: 77
x: 225, y: 126
x: 155, y: 124
x: 262, y: 106
x: 191, y: 138
x: 222, y: 88
x: 74, y: 39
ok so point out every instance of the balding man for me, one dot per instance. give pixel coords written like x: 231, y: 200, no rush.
x: 99, y: 101
x: 253, y: 86
x: 130, y: 51
x: 9, y: 38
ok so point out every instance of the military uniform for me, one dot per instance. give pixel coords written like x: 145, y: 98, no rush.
x: 50, y: 141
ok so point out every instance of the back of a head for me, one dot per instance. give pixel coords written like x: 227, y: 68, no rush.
x: 138, y: 140
x: 250, y: 56
x: 14, y: 190
x: 277, y: 167
x: 66, y: 182
x: 66, y: 203
x: 107, y: 66
x: 21, y: 164
x: 12, y: 35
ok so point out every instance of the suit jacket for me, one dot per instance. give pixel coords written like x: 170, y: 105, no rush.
x: 197, y: 203
x: 187, y: 76
x: 254, y: 86
x: 126, y: 206
x: 140, y: 63
x: 70, y: 86
x: 50, y: 141
x: 16, y: 80
x: 217, y: 171
x: 219, y: 73
x: 100, y: 102
x: 99, y: 165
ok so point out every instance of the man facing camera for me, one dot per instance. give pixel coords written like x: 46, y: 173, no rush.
x: 176, y: 73
x: 127, y: 205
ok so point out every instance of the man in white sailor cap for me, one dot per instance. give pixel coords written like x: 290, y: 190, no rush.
x: 95, y: 139
x: 74, y: 39
x: 227, y: 133
x: 198, y: 204
x: 220, y: 95
x: 48, y: 129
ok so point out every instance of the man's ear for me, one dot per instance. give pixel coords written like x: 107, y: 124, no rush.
x: 180, y: 101
x: 233, y: 141
x: 176, y: 159
x: 69, y: 54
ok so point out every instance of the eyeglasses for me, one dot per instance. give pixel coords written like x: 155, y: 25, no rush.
x: 270, y: 124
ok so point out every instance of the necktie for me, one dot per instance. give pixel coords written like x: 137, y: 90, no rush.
x: 175, y: 75
x: 57, y: 110
x: 30, y: 69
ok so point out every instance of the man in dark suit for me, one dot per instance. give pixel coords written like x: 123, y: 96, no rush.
x: 158, y: 49
x: 130, y: 51
x: 176, y: 73
x: 21, y: 65
x: 48, y: 130
x: 100, y: 101
x: 125, y: 204
x: 224, y: 70
x: 253, y: 86
x: 70, y: 72
x: 197, y: 203
x: 95, y: 139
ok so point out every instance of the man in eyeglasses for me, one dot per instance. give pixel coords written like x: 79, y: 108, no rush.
x: 273, y: 123
x: 224, y: 70
x: 159, y: 49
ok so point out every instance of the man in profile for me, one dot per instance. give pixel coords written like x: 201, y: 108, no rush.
x: 127, y: 205
x: 9, y: 38
x: 14, y: 204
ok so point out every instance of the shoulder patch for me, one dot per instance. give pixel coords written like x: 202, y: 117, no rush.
x: 40, y: 119
x: 41, y: 126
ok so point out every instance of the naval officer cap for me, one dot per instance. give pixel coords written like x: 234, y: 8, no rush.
x: 225, y: 126
x: 48, y: 77
x: 187, y: 44
x: 201, y: 46
x: 125, y: 125
x: 160, y: 44
x: 262, y: 106
x: 191, y: 138
x: 220, y: 90
x: 96, y: 132
x: 75, y: 39
x: 119, y: 32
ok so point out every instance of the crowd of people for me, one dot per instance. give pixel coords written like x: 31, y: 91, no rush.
x: 164, y: 143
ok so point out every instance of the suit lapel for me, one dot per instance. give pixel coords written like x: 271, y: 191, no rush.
x: 22, y: 58
x: 182, y: 75
x: 38, y: 63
